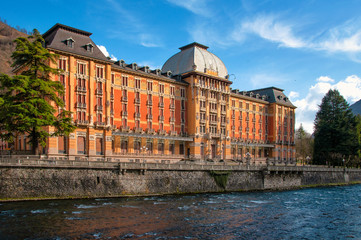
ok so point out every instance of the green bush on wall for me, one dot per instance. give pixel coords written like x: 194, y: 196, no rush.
x: 220, y: 177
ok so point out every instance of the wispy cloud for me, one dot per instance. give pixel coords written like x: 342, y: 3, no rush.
x: 135, y: 29
x: 349, y: 88
x: 269, y: 28
x: 198, y: 7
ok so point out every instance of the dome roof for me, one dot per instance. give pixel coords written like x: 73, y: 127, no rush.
x: 195, y: 57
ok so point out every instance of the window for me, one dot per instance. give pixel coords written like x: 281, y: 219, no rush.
x: 137, y: 83
x: 125, y: 80
x: 69, y: 42
x: 172, y: 90
x: 181, y: 148
x: 89, y: 47
x: 81, y: 68
x: 62, y: 144
x: 81, y: 145
x: 62, y: 64
x: 183, y: 92
x: 99, y: 146
x: 161, y: 88
x: 150, y: 86
x: 99, y: 72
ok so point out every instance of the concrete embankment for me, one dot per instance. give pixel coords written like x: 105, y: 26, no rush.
x: 43, y: 179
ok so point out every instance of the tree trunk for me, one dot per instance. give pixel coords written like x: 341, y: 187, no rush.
x: 35, y: 143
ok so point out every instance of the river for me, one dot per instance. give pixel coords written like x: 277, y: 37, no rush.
x: 315, y: 213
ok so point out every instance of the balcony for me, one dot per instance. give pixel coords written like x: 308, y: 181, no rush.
x: 80, y: 89
x: 150, y: 131
x: 124, y: 114
x: 162, y: 132
x: 213, y: 122
x: 136, y: 115
x: 99, y: 91
x: 111, y: 112
x: 111, y: 96
x: 172, y: 119
x: 81, y: 122
x: 161, y: 104
x: 99, y: 124
x: 202, y: 121
x: 150, y: 103
x: 183, y: 120
x: 240, y: 117
x: 161, y: 118
x: 124, y: 99
x: 99, y: 108
x: 254, y: 120
x: 223, y: 124
x: 213, y: 110
x: 125, y: 129
x: 137, y: 130
x: 149, y: 116
x: 203, y: 109
x: 247, y: 129
x: 81, y: 105
x: 171, y: 106
x: 137, y: 100
x: 173, y: 133
x: 247, y: 118
x: 233, y: 117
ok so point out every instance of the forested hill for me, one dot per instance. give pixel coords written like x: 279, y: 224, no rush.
x: 7, y: 35
x: 356, y: 107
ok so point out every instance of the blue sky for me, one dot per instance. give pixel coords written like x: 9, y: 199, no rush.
x: 305, y: 47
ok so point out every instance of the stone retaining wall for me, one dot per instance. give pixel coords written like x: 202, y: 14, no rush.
x: 55, y: 181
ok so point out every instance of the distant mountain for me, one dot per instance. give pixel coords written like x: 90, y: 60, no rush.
x: 356, y: 107
x: 7, y: 36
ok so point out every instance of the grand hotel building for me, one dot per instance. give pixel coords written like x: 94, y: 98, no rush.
x: 186, y: 110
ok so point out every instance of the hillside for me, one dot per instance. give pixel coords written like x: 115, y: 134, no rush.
x: 7, y: 46
x: 356, y: 107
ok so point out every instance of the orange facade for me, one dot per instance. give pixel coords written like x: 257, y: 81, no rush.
x: 124, y: 112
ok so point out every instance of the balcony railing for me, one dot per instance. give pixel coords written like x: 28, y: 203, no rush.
x: 149, y: 102
x: 99, y: 108
x: 111, y: 96
x: 99, y: 124
x: 161, y: 105
x: 162, y: 132
x: 125, y: 128
x: 150, y: 131
x: 161, y: 118
x: 138, y: 130
x: 81, y: 105
x: 149, y: 116
x: 171, y: 119
x: 173, y: 133
x: 111, y: 112
x: 81, y: 122
x: 137, y: 100
x: 124, y: 114
x: 137, y: 115
x: 99, y: 91
x: 171, y: 106
x: 80, y: 89
x: 124, y: 99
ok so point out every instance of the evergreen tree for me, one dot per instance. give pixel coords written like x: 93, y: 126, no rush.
x: 335, y: 131
x: 304, y: 144
x: 32, y: 101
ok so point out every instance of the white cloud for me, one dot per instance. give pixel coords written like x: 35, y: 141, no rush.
x: 198, y: 7
x: 324, y: 79
x: 106, y: 53
x: 307, y: 107
x: 269, y: 28
x: 293, y: 95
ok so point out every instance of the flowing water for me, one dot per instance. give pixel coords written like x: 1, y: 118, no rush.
x: 318, y: 213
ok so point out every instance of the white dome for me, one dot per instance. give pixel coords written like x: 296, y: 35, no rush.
x: 195, y: 57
